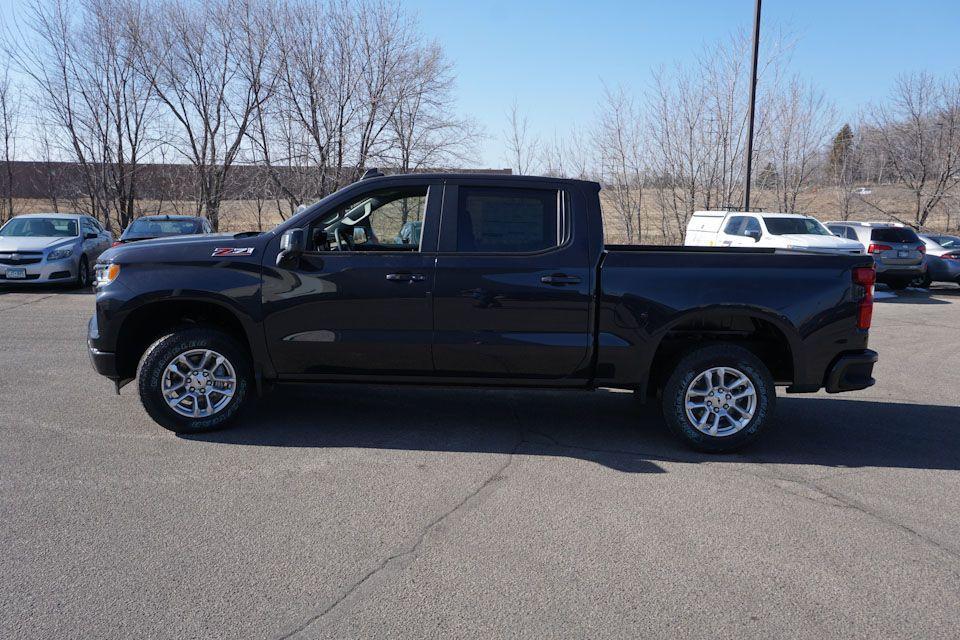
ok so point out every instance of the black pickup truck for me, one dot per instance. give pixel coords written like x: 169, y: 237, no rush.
x: 478, y: 280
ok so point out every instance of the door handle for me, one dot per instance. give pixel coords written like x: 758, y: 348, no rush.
x: 406, y: 277
x: 560, y: 279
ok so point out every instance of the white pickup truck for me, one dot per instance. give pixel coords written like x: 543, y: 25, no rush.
x: 772, y: 230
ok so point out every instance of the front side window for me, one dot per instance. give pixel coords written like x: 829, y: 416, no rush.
x: 40, y: 228
x: 508, y: 220
x: 385, y: 220
x: 735, y: 225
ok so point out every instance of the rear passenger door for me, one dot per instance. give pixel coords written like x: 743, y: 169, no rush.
x: 512, y: 292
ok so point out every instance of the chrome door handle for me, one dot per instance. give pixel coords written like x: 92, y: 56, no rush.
x: 406, y: 277
x: 560, y: 278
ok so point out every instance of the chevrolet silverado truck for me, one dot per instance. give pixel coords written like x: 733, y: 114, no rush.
x: 449, y: 279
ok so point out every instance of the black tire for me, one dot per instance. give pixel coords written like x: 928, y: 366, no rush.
x: 162, y: 352
x: 899, y: 284
x: 698, y: 361
x: 922, y: 282
x: 83, y: 273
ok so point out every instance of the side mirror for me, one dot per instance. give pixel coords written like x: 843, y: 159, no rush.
x: 90, y: 236
x: 753, y: 233
x: 292, y: 245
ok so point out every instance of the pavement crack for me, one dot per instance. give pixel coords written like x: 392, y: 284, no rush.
x: 409, y: 552
x: 812, y: 490
x: 23, y: 304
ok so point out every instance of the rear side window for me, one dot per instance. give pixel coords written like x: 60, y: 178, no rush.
x: 894, y: 234
x: 504, y: 220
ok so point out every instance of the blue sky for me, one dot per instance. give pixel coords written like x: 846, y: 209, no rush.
x: 553, y: 57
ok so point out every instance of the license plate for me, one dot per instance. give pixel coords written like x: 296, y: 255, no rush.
x: 16, y: 274
x: 903, y: 254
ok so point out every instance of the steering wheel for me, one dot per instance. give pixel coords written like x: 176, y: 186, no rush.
x: 343, y: 240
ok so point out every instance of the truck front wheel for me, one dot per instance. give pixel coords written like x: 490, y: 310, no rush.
x: 719, y: 398
x: 194, y: 379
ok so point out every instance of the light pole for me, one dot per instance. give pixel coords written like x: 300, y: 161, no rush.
x: 753, y: 104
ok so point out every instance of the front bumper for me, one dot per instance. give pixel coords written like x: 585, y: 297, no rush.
x: 851, y: 371
x: 42, y: 272
x: 104, y: 362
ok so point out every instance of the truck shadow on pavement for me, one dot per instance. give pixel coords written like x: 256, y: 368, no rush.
x: 608, y: 428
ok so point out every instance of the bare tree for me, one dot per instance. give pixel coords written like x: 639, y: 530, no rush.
x: 424, y: 130
x: 619, y: 150
x: 9, y: 122
x: 843, y: 167
x: 207, y: 63
x: 80, y: 61
x: 523, y: 146
x: 793, y: 140
x: 918, y: 135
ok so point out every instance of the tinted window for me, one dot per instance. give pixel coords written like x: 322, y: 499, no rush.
x: 852, y: 234
x: 894, y: 234
x: 507, y: 220
x: 385, y: 220
x: 802, y: 226
x: 156, y: 227
x: 40, y: 228
x: 735, y: 226
x: 947, y: 242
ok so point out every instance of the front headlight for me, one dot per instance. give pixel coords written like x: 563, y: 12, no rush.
x: 59, y: 254
x: 106, y: 273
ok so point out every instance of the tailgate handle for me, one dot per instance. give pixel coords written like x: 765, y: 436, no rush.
x: 406, y: 277
x: 559, y: 279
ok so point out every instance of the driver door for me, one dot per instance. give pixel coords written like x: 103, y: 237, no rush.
x: 358, y: 302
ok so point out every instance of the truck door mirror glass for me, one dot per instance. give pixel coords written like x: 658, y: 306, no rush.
x: 291, y: 246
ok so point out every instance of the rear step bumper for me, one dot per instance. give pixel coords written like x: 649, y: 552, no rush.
x: 851, y: 371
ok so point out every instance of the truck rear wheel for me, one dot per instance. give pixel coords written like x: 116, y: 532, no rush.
x: 719, y: 398
x: 194, y: 380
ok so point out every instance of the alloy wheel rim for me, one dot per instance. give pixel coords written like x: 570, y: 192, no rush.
x: 720, y: 401
x: 198, y: 383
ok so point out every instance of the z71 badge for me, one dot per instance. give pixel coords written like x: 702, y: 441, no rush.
x: 224, y: 252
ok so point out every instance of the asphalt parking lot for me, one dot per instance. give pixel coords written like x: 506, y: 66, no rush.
x: 358, y: 511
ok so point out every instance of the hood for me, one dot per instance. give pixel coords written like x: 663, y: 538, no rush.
x: 13, y: 243
x: 813, y: 241
x: 192, y: 247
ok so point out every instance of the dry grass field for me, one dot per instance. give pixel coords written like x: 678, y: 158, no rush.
x: 245, y: 215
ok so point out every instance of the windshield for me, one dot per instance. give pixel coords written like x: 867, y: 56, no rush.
x: 802, y: 226
x: 40, y: 228
x: 158, y: 227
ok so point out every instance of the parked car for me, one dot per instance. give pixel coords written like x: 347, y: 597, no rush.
x: 896, y: 249
x: 162, y: 226
x: 51, y: 247
x: 509, y: 284
x: 942, y: 259
x: 777, y: 230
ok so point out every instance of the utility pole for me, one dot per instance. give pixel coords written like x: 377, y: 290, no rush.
x: 753, y: 105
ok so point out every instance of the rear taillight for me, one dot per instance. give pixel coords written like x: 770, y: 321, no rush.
x: 878, y: 248
x: 117, y: 243
x: 953, y: 255
x: 865, y: 277
x: 922, y: 248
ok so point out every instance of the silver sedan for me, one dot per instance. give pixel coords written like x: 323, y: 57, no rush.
x: 942, y: 259
x: 51, y: 248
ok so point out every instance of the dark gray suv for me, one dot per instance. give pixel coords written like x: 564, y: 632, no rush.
x: 897, y: 250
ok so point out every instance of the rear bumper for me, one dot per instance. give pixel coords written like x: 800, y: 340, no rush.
x: 851, y: 371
